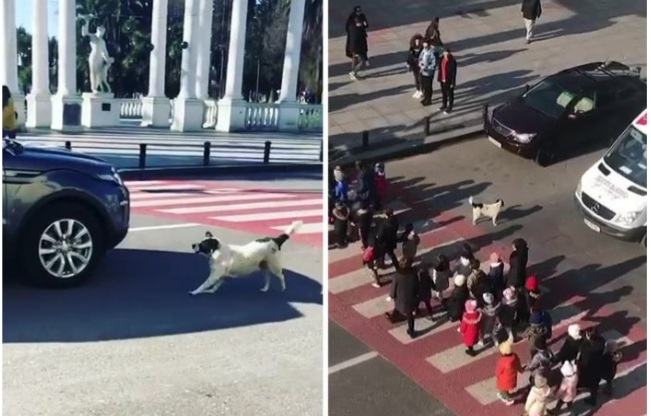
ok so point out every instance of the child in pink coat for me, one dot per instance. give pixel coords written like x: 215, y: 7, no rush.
x: 470, y: 326
x: 567, y: 391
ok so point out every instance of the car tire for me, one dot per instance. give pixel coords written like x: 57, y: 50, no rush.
x: 544, y: 158
x: 79, y: 248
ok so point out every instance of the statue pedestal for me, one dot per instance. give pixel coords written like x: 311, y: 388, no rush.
x: 231, y: 115
x: 99, y: 110
x: 66, y: 113
x: 188, y: 114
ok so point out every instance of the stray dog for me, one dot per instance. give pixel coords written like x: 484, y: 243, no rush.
x: 486, y: 210
x: 240, y: 260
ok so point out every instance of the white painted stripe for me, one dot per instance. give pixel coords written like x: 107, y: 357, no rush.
x: 352, y: 280
x: 166, y: 187
x: 307, y: 228
x: 142, y: 183
x: 352, y: 362
x: 271, y: 215
x: 163, y: 227
x: 374, y: 307
x: 210, y: 199
x: 251, y: 205
x: 424, y: 327
x: 154, y: 195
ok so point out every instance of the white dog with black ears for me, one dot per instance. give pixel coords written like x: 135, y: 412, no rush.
x: 240, y: 260
x: 486, y: 210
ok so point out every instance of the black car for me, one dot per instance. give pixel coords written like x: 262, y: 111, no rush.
x: 568, y: 111
x: 61, y: 212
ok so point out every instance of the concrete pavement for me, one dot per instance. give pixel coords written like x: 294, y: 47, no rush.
x: 487, y: 38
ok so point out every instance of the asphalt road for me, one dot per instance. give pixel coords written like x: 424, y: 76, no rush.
x: 539, y: 208
x: 132, y: 341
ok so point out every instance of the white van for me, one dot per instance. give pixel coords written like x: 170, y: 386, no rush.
x: 612, y: 193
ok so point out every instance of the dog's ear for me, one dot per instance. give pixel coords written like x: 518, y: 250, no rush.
x: 208, y: 234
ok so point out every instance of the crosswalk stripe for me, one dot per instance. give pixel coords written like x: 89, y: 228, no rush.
x: 271, y: 215
x: 153, y: 195
x: 374, y: 307
x: 306, y: 228
x: 237, y: 207
x: 142, y: 183
x: 424, y: 327
x: 209, y: 199
x: 166, y: 187
x: 350, y: 280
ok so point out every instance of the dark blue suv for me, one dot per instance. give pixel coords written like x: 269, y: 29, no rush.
x: 61, y: 212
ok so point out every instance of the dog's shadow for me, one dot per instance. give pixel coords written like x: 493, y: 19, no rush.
x: 142, y: 293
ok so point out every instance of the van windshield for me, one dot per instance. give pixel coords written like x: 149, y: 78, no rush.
x: 548, y: 98
x: 628, y: 156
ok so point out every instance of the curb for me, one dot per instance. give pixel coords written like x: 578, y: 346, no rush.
x: 410, y: 149
x: 151, y: 173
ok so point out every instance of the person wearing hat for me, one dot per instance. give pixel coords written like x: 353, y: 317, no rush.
x: 469, y: 327
x: 612, y: 356
x: 539, y: 329
x: 489, y: 311
x: 538, y: 397
x: 570, y: 348
x: 465, y: 257
x: 381, y: 185
x: 496, y: 276
x: 506, y: 372
x: 456, y: 302
x: 508, y: 311
x: 541, y: 361
x: 568, y: 389
x: 590, y: 363
x: 341, y: 216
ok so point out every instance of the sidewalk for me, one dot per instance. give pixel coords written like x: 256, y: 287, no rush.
x: 487, y: 38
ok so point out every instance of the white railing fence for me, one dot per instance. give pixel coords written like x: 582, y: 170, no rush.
x: 310, y: 118
x: 209, y: 114
x: 131, y: 108
x: 261, y: 116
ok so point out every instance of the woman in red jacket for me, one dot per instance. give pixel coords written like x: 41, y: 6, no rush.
x: 470, y: 326
x: 506, y: 372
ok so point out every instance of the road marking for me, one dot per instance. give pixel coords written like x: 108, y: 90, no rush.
x: 208, y: 199
x: 352, y: 362
x: 164, y: 227
x: 271, y: 215
x: 139, y: 188
x: 153, y: 195
x: 308, y: 228
x: 236, y: 207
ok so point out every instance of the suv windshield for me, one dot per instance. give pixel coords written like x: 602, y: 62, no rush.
x: 628, y: 156
x: 549, y: 98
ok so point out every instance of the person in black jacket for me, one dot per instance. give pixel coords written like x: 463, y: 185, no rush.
x: 590, y: 363
x: 531, y: 10
x: 356, y: 46
x: 350, y: 22
x: 425, y: 286
x: 415, y: 47
x: 518, y: 264
x: 447, y: 77
x: 404, y: 292
x: 570, y: 348
x: 432, y: 30
x: 386, y: 239
x: 455, y: 304
x: 365, y: 220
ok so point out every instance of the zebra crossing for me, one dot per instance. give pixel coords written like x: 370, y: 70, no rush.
x: 262, y: 212
x: 122, y: 145
x: 436, y: 359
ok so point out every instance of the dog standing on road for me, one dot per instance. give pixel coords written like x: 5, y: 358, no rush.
x: 240, y: 260
x: 486, y: 210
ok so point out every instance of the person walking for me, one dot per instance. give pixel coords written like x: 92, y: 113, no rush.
x: 404, y: 292
x: 496, y: 276
x: 341, y: 215
x: 357, y: 46
x: 441, y: 276
x: 447, y: 78
x: 386, y: 239
x: 341, y: 188
x: 433, y: 29
x: 541, y: 360
x: 518, y: 264
x: 425, y: 286
x: 506, y: 372
x: 469, y: 327
x: 357, y: 13
x: 381, y: 185
x: 508, y: 311
x: 590, y: 363
x: 570, y: 348
x: 539, y: 330
x: 415, y: 48
x: 9, y: 115
x: 488, y: 319
x: 368, y: 260
x: 456, y: 302
x: 612, y: 356
x: 538, y: 397
x: 364, y: 221
x: 427, y: 66
x: 531, y: 11
x: 410, y: 241
x: 567, y: 390
x: 464, y: 267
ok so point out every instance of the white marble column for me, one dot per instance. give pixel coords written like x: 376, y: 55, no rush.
x: 232, y: 108
x: 156, y: 106
x: 39, y: 107
x: 66, y: 99
x: 9, y: 57
x: 289, y: 107
x: 204, y: 56
x: 188, y: 110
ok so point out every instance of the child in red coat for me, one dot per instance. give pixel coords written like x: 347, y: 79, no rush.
x: 506, y: 372
x: 470, y: 326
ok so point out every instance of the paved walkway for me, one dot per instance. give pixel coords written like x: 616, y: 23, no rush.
x: 487, y: 38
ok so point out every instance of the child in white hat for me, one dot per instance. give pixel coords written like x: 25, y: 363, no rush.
x: 567, y: 390
x: 539, y: 396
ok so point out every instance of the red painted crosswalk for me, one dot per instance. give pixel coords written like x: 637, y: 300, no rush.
x: 436, y: 359
x: 260, y: 211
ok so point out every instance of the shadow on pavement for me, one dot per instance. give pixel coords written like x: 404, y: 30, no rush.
x: 141, y: 293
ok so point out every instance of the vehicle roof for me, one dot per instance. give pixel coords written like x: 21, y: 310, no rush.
x: 587, y: 75
x: 641, y: 124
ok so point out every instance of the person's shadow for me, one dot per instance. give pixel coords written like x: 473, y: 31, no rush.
x: 141, y: 293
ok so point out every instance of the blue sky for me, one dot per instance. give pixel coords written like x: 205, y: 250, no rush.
x: 24, y: 15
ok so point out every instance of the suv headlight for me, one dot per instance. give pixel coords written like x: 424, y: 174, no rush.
x: 628, y: 218
x: 524, y: 137
x: 112, y: 176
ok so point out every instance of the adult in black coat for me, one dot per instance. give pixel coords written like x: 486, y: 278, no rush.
x: 570, y: 348
x: 447, y: 78
x: 350, y: 23
x: 425, y: 286
x: 518, y: 264
x: 386, y: 238
x: 590, y: 363
x: 415, y: 48
x: 364, y: 220
x: 455, y: 304
x: 432, y: 30
x: 356, y: 46
x: 531, y: 11
x: 404, y: 292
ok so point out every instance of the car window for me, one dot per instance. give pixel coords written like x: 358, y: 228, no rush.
x: 583, y: 106
x: 628, y: 156
x: 549, y: 98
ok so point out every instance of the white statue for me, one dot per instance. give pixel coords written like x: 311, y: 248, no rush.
x: 99, y: 60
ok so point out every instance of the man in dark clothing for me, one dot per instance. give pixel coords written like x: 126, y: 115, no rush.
x: 590, y: 363
x: 386, y: 239
x: 350, y: 22
x: 404, y: 292
x: 447, y: 77
x: 570, y: 348
x: 356, y: 45
x: 531, y: 10
x: 518, y: 264
x: 365, y: 219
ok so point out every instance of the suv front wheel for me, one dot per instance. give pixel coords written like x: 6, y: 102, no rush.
x: 62, y: 246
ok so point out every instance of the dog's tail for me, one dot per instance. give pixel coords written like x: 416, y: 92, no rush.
x: 291, y: 229
x: 474, y: 205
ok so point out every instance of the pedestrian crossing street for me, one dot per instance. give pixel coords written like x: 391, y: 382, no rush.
x: 263, y: 212
x: 124, y: 143
x: 436, y: 359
